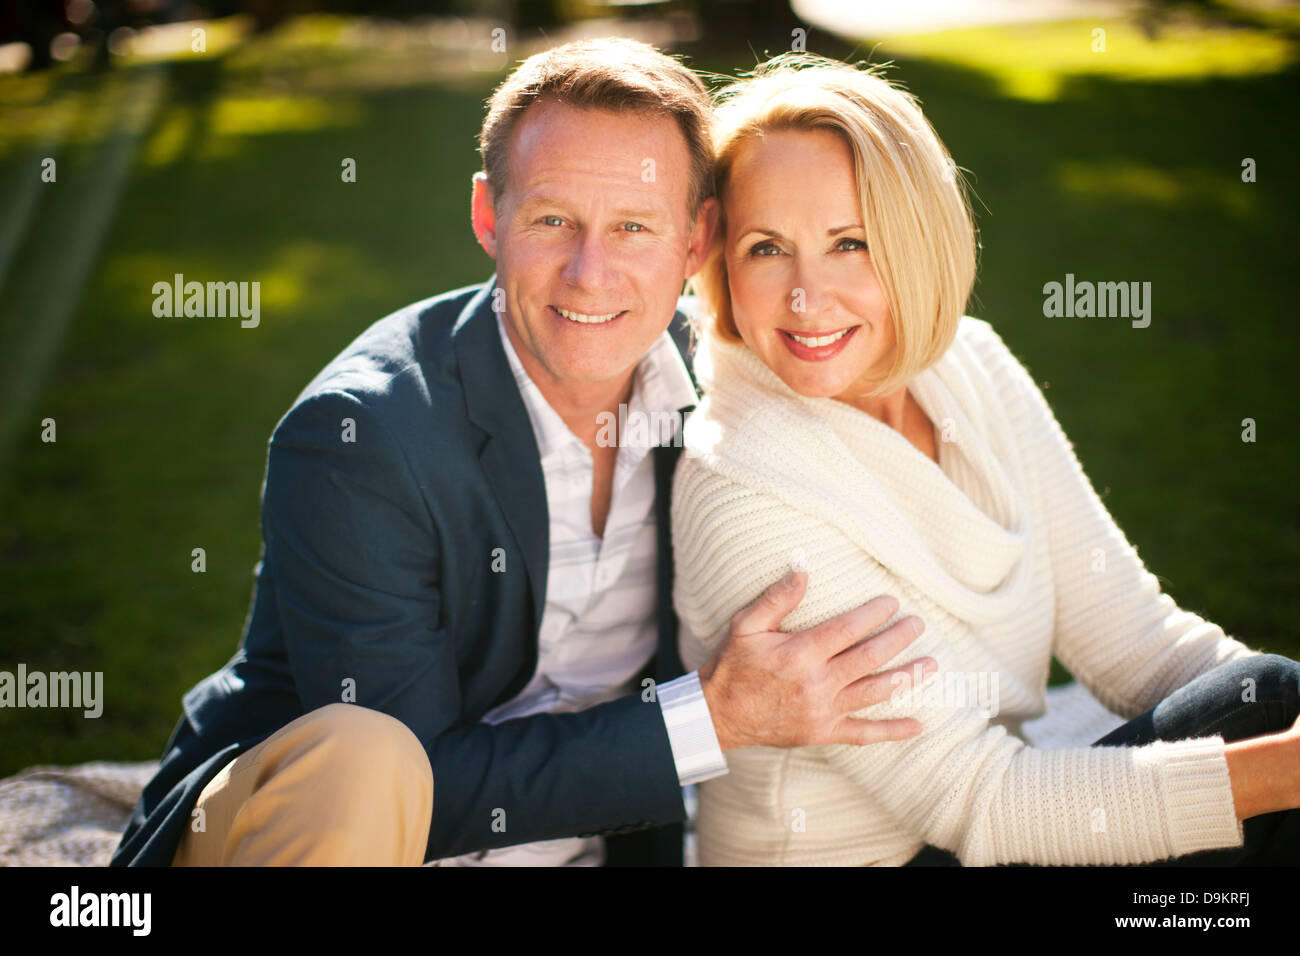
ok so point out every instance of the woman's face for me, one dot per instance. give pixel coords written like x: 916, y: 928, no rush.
x: 803, y: 290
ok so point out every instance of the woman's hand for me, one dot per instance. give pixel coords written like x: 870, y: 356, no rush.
x: 1265, y: 772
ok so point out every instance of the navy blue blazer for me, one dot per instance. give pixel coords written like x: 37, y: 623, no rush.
x: 377, y: 566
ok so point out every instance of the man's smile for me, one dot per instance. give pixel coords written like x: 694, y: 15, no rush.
x: 586, y: 318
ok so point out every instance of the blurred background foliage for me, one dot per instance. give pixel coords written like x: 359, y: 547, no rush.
x: 1123, y: 165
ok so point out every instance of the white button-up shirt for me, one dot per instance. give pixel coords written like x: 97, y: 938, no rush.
x: 599, y: 625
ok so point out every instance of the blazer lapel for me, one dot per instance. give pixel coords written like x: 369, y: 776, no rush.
x: 510, y: 457
x: 668, y: 840
x: 668, y: 661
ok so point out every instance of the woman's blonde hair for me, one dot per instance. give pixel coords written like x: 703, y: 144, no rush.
x: 917, y: 216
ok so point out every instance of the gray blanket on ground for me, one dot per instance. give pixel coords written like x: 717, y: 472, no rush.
x: 74, y: 816
x: 68, y: 816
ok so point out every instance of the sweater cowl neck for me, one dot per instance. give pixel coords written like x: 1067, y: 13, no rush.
x: 968, y: 548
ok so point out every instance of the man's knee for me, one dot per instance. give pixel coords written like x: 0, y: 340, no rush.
x: 341, y: 785
x: 370, y: 745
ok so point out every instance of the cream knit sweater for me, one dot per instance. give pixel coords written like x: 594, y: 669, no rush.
x: 1007, y: 553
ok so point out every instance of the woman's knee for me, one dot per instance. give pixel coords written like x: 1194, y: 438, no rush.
x: 1272, y: 680
x: 1279, y: 678
x: 1272, y: 676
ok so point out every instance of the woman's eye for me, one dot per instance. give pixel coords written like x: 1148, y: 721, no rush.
x: 764, y: 249
x: 851, y: 245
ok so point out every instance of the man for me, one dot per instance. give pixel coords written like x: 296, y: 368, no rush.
x: 464, y: 581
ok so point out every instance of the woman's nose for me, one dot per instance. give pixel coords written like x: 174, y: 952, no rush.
x: 810, y: 292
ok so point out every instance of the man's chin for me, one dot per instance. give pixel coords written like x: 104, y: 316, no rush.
x: 588, y: 374
x: 595, y: 361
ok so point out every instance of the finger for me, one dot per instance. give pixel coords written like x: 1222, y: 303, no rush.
x: 871, y: 655
x: 772, y: 606
x: 833, y: 636
x: 854, y: 730
x: 878, y: 688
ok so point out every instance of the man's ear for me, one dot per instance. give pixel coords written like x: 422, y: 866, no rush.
x: 483, y: 215
x: 701, y: 241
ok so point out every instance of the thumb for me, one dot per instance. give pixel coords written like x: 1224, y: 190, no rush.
x: 772, y: 606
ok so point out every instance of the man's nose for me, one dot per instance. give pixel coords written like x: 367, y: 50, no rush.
x: 589, y: 265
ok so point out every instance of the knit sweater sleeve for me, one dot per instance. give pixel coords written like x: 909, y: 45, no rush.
x: 1116, y: 631
x: 964, y: 784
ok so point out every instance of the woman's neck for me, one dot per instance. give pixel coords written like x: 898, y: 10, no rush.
x: 890, y: 408
x: 901, y: 412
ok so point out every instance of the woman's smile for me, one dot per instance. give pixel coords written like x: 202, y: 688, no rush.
x: 817, y: 346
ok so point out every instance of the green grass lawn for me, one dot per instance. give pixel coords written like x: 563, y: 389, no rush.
x: 235, y: 175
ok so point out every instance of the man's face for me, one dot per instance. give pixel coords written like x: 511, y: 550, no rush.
x: 592, y: 239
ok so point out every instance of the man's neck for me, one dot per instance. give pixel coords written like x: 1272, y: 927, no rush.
x: 579, y: 404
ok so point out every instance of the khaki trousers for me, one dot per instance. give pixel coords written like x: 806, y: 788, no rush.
x: 341, y: 786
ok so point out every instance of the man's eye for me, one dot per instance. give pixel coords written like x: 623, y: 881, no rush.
x: 764, y: 249
x: 553, y: 220
x: 853, y: 245
x: 633, y: 227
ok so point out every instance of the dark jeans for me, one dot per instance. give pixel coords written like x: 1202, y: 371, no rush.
x: 1209, y: 705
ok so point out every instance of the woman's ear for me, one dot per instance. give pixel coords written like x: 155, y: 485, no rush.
x: 483, y: 215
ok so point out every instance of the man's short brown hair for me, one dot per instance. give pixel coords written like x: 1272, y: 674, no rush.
x: 611, y: 73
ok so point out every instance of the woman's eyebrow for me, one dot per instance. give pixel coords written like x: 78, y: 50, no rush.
x: 764, y: 231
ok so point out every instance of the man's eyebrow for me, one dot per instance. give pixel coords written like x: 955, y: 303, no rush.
x: 532, y: 202
x: 626, y: 212
x: 638, y: 214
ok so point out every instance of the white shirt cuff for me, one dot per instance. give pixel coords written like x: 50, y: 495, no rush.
x: 690, y: 730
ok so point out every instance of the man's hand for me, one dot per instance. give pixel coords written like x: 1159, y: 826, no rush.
x: 770, y: 689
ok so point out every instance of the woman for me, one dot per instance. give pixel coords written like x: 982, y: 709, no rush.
x: 855, y: 423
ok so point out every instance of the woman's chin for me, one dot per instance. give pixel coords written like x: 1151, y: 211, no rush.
x: 814, y: 386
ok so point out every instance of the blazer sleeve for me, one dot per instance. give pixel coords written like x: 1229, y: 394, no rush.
x: 354, y: 551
